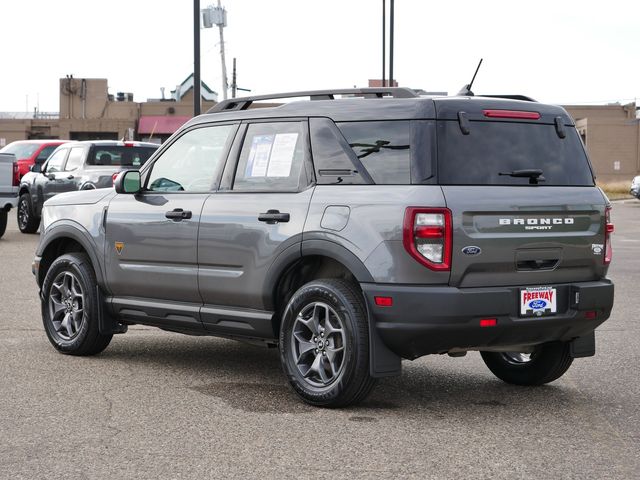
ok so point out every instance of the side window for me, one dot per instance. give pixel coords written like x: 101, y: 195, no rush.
x: 74, y: 161
x: 56, y: 161
x: 192, y: 162
x: 44, y: 153
x: 383, y: 148
x: 272, y: 158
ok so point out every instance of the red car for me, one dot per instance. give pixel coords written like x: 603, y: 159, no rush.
x: 28, y: 152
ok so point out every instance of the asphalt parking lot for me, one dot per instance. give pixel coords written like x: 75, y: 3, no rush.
x: 161, y: 405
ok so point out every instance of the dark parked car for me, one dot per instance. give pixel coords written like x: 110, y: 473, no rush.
x: 349, y: 232
x: 635, y: 187
x: 74, y: 166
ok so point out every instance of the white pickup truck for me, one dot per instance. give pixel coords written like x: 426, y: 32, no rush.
x: 8, y: 187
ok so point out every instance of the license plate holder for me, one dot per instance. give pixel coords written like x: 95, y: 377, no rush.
x: 538, y: 301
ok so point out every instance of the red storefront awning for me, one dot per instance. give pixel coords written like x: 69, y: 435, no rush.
x: 160, y: 124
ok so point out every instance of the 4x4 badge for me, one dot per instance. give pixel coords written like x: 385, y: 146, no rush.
x: 119, y: 247
x: 472, y: 250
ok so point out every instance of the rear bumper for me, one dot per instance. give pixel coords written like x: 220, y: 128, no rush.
x: 440, y: 319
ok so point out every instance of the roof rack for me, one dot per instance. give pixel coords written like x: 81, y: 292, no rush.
x: 245, y: 102
x: 511, y: 97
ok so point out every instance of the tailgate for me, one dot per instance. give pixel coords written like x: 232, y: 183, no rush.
x: 526, y: 235
x: 6, y: 175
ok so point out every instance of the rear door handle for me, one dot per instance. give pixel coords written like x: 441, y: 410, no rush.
x: 273, y: 216
x: 178, y: 214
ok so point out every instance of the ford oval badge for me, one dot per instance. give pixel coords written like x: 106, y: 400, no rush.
x: 537, y: 304
x: 472, y: 250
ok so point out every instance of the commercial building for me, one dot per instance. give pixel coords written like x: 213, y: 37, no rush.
x: 87, y: 111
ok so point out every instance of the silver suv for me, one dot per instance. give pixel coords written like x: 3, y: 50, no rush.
x: 350, y: 232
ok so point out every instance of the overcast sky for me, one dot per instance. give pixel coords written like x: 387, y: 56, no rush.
x: 555, y: 51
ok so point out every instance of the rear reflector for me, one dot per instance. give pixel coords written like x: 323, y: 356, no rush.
x: 488, y: 322
x: 590, y: 315
x: 511, y: 114
x: 384, y: 301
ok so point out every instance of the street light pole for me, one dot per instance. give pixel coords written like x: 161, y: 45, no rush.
x: 384, y: 42
x: 391, y: 20
x: 196, y: 58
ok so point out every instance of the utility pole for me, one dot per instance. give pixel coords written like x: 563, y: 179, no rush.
x: 218, y: 16
x: 196, y: 58
x: 221, y: 26
x: 234, y: 85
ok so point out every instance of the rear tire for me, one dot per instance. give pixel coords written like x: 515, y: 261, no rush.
x: 324, y: 344
x: 28, y: 222
x: 70, y: 308
x: 546, y: 364
x: 3, y: 222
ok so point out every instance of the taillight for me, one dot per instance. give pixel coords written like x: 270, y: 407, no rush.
x: 608, y: 230
x: 16, y: 175
x: 113, y: 177
x: 427, y: 236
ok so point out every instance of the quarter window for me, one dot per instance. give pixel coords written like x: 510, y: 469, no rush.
x: 192, y: 163
x: 272, y: 158
x: 383, y: 148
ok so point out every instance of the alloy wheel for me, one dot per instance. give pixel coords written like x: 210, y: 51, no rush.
x: 318, y: 341
x: 66, y: 305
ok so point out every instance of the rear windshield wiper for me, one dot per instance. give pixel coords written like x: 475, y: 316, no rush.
x: 534, y: 174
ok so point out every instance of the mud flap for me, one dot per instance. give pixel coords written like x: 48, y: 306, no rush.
x: 107, y: 325
x: 382, y: 361
x: 583, y: 346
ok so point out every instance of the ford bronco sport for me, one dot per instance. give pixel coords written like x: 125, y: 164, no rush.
x: 350, y: 232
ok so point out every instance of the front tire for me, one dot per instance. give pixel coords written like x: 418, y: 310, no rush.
x: 28, y: 222
x: 547, y: 363
x: 324, y: 344
x: 70, y: 308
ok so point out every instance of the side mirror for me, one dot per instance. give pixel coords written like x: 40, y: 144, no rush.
x: 128, y: 182
x: 36, y: 168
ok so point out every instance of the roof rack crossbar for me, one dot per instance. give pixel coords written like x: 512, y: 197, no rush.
x: 245, y: 102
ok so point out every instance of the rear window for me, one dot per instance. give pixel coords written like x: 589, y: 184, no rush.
x: 383, y: 148
x: 492, y: 148
x: 21, y: 150
x: 119, y: 156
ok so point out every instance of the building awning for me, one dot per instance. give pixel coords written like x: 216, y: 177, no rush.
x: 160, y: 124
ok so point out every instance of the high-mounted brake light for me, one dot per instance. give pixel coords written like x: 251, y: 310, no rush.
x: 511, y: 114
x: 608, y: 230
x: 129, y: 144
x: 427, y: 236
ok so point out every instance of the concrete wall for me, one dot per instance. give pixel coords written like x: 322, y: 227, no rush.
x: 612, y: 138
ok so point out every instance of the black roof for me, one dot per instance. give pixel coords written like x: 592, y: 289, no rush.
x: 377, y: 104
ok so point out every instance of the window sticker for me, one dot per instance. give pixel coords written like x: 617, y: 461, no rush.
x: 258, y: 160
x: 282, y: 153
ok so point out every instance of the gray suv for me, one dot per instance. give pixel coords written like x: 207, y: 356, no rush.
x: 351, y: 233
